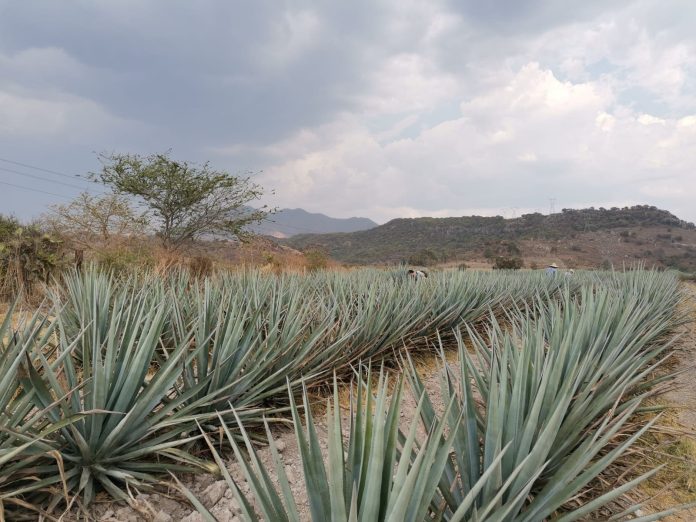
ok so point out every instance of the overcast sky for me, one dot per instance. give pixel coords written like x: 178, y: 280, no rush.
x: 379, y: 108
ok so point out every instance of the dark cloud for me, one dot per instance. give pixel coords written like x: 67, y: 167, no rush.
x: 214, y: 71
x: 522, y: 16
x: 319, y: 94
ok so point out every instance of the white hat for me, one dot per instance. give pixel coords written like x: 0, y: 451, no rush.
x: 553, y: 265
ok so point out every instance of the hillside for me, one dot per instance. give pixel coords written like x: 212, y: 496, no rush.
x: 292, y: 221
x: 585, y: 237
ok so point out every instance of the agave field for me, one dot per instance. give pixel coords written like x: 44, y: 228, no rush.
x: 123, y: 383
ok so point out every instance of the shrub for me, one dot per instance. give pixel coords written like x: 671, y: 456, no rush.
x: 508, y: 263
x: 123, y: 259
x: 512, y: 249
x: 27, y: 257
x: 423, y: 257
x: 316, y: 259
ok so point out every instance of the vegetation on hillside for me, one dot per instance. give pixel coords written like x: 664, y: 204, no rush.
x: 428, y: 241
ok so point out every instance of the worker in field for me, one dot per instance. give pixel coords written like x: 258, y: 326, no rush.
x: 416, y: 274
x: 552, y: 269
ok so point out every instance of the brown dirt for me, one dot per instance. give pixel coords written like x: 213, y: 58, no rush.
x: 675, y: 440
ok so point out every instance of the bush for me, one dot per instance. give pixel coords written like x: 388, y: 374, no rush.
x: 121, y: 260
x: 512, y: 249
x: 316, y: 259
x: 423, y: 257
x: 27, y: 257
x: 508, y: 263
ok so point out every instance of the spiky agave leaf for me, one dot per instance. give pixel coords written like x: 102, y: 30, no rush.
x: 134, y: 426
x: 364, y: 478
x: 556, y: 388
x: 253, y: 346
x: 24, y: 444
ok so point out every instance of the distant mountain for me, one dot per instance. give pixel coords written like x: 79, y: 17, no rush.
x: 292, y: 221
x: 581, y: 237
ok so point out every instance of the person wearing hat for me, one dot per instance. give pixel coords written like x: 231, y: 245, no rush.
x: 552, y: 269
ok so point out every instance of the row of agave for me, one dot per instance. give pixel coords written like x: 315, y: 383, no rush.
x: 106, y: 389
x: 116, y: 384
x: 557, y: 387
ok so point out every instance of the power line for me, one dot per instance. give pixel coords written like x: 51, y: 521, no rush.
x: 42, y: 178
x: 34, y: 190
x: 57, y: 173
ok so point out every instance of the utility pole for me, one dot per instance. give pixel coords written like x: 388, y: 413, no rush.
x: 552, y: 205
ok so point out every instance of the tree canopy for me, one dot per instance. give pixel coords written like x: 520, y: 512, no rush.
x: 186, y: 200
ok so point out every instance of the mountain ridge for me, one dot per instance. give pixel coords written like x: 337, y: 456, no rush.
x: 289, y: 222
x: 637, y: 233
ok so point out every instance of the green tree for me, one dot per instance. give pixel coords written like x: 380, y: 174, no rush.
x: 186, y: 200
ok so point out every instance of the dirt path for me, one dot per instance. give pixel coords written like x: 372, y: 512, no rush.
x: 680, y: 450
x: 683, y: 397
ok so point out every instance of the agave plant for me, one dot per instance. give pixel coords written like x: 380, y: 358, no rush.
x: 367, y: 480
x: 377, y: 474
x: 24, y: 448
x: 556, y: 390
x: 141, y: 361
x: 133, y: 425
x: 251, y: 348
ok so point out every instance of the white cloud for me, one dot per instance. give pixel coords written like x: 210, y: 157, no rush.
x: 22, y: 115
x: 394, y: 108
x: 527, y: 157
x: 559, y: 139
x: 293, y: 34
x: 408, y: 83
x: 647, y: 119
